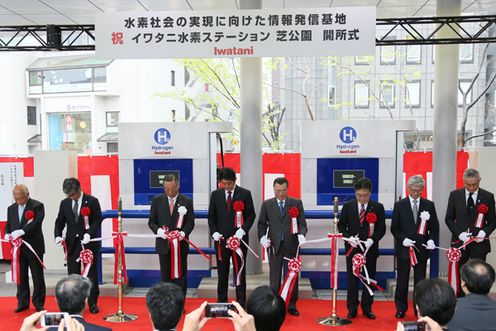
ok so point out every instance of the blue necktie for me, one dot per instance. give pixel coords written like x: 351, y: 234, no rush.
x: 281, y: 207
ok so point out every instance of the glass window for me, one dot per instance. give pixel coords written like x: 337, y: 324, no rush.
x: 363, y: 60
x: 67, y: 80
x: 100, y: 75
x: 466, y: 53
x: 464, y: 85
x: 31, y: 115
x: 70, y: 131
x: 361, y: 95
x: 387, y: 95
x: 388, y: 55
x: 35, y: 78
x: 413, y: 54
x: 331, y: 95
x: 412, y: 94
x: 112, y: 148
x: 173, y: 78
x: 112, y: 119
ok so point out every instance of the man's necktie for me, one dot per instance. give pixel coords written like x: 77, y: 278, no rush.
x: 229, y: 201
x: 75, y: 210
x: 415, y: 210
x: 171, y: 205
x: 470, y: 202
x: 281, y: 207
x: 362, y: 214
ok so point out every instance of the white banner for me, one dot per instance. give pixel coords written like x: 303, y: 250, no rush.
x: 11, y: 173
x: 236, y: 33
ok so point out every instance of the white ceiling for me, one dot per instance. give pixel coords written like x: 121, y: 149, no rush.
x: 41, y: 12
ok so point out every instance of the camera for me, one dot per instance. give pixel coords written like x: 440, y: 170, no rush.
x: 52, y: 319
x: 414, y: 326
x: 214, y: 310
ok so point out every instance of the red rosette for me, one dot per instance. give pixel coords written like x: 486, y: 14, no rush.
x: 85, y: 211
x: 29, y: 215
x: 358, y: 261
x: 173, y: 235
x: 16, y: 242
x: 233, y: 243
x: 371, y: 218
x: 454, y: 254
x: 482, y: 208
x: 86, y: 256
x: 294, y: 265
x: 239, y: 205
x: 294, y: 212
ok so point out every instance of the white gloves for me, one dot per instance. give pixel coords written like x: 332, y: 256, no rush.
x: 216, y: 236
x: 7, y: 236
x: 58, y: 240
x: 465, y: 236
x: 430, y: 244
x: 17, y: 233
x: 182, y: 235
x: 353, y: 241
x: 240, y: 233
x: 86, y: 239
x: 301, y: 239
x: 369, y: 242
x: 480, y: 236
x: 161, y: 233
x: 408, y: 242
x: 265, y: 242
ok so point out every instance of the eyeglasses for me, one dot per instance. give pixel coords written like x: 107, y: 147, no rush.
x: 284, y: 190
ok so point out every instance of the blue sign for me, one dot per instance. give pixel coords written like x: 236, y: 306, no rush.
x: 162, y: 136
x: 347, y: 135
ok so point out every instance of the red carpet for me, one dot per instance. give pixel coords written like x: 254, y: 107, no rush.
x: 309, y: 309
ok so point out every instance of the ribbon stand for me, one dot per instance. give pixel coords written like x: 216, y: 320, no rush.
x: 334, y: 319
x: 120, y: 316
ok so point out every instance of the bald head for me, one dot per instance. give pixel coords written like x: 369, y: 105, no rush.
x: 21, y: 194
x: 477, y: 276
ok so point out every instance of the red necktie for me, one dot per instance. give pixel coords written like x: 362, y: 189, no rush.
x: 362, y: 214
x: 229, y: 201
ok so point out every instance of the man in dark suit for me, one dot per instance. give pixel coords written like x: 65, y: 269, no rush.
x: 414, y: 224
x: 476, y: 311
x: 275, y: 229
x: 80, y: 231
x: 24, y: 218
x: 463, y: 220
x: 71, y: 293
x: 164, y: 215
x: 223, y: 224
x: 165, y: 303
x: 353, y: 224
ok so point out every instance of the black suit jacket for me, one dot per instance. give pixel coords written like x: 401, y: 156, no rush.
x: 458, y: 220
x: 75, y: 228
x: 32, y: 229
x: 89, y: 326
x: 160, y: 216
x: 404, y: 225
x: 349, y: 224
x: 219, y: 220
x: 270, y: 217
x: 475, y: 312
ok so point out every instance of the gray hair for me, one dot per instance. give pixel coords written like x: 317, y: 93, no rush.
x: 21, y: 187
x: 471, y: 173
x: 416, y: 180
x: 71, y: 185
x: 71, y: 293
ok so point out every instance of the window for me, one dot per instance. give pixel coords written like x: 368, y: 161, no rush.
x: 388, y: 55
x: 363, y: 60
x: 70, y: 131
x: 67, y: 80
x: 413, y: 54
x: 466, y: 53
x: 31, y: 112
x: 464, y: 85
x: 112, y: 148
x: 173, y: 78
x: 412, y: 94
x: 361, y: 95
x: 331, y: 95
x: 112, y: 119
x: 35, y: 78
x: 387, y: 94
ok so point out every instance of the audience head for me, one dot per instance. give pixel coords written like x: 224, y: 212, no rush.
x: 71, y: 293
x: 477, y: 277
x: 165, y: 303
x: 436, y: 299
x: 267, y: 308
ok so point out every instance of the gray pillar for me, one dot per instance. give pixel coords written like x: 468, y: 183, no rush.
x: 251, y: 137
x: 445, y: 124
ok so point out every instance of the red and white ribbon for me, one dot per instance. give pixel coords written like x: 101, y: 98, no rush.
x: 294, y: 213
x: 454, y: 255
x: 294, y: 267
x: 334, y: 259
x: 482, y: 209
x: 175, y: 253
x: 359, y: 262
x: 371, y: 220
x: 413, y: 256
x: 119, y: 248
x: 234, y: 244
x: 86, y: 212
x: 181, y: 211
x: 16, y: 254
x: 424, y: 217
x: 238, y: 207
x: 86, y: 257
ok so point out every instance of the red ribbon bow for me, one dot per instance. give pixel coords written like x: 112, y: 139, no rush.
x: 294, y: 212
x: 85, y: 211
x: 239, y: 205
x: 119, y: 247
x: 86, y: 257
x: 234, y: 244
x: 29, y: 215
x: 371, y: 218
x: 294, y: 267
x: 482, y: 208
x: 453, y: 255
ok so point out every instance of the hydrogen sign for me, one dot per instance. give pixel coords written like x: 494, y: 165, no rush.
x: 162, y: 136
x: 348, y: 136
